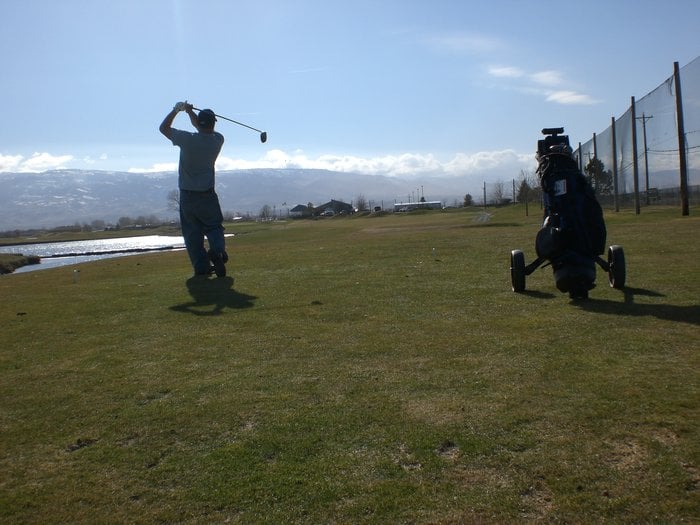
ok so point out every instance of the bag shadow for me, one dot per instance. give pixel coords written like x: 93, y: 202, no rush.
x: 682, y: 314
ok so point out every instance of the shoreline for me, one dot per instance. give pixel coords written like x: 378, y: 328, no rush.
x: 10, y: 262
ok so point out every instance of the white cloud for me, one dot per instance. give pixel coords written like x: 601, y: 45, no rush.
x: 538, y: 83
x: 45, y: 161
x: 506, y: 72
x: 10, y: 162
x: 507, y: 161
x: 547, y: 78
x: 570, y: 98
x: 38, y: 162
x: 156, y: 168
x: 406, y: 165
x: 389, y: 165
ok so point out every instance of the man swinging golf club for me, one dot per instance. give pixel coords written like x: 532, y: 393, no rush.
x: 200, y: 211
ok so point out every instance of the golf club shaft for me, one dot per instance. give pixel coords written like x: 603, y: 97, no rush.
x: 231, y: 120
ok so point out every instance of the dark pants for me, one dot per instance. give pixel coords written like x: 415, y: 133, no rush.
x: 200, y: 216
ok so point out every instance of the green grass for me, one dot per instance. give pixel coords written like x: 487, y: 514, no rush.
x: 9, y: 262
x: 351, y: 375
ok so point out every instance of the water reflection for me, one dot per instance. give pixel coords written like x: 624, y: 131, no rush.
x: 55, y: 254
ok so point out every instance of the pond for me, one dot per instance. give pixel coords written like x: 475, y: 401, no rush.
x: 54, y: 254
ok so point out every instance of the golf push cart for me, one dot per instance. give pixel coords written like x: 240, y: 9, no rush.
x: 572, y: 236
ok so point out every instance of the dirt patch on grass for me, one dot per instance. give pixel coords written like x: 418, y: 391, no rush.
x: 448, y: 450
x: 665, y: 436
x: 80, y: 443
x: 436, y: 411
x: 626, y: 455
x: 693, y: 484
x: 483, y: 477
x: 405, y: 458
x: 538, y: 501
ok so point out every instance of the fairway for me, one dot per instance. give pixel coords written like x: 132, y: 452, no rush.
x: 358, y: 370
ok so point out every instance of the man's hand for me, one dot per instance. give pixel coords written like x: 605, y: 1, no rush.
x: 166, y: 127
x: 182, y: 106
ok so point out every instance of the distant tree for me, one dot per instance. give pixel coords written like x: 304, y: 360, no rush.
x: 361, y: 203
x: 598, y: 177
x: 148, y: 220
x: 173, y: 200
x: 98, y: 225
x: 499, y: 192
x: 528, y: 189
x: 125, y: 222
x: 468, y: 200
x: 266, y: 212
x: 524, y: 190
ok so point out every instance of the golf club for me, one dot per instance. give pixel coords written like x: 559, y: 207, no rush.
x: 263, y: 134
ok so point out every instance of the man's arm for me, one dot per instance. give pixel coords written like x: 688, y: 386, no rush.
x: 166, y: 127
x: 193, y: 116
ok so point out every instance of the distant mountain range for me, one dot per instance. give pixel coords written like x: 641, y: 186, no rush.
x: 65, y: 197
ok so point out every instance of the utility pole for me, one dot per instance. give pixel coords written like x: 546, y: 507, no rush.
x: 644, y: 119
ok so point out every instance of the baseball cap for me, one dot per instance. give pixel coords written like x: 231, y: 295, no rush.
x: 206, y: 118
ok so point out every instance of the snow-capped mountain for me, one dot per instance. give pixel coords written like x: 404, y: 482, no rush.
x: 66, y: 197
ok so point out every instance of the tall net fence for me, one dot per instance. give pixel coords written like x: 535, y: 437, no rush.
x: 643, y: 141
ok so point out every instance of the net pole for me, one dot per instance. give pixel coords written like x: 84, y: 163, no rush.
x: 635, y: 164
x: 685, y: 207
x: 614, y: 157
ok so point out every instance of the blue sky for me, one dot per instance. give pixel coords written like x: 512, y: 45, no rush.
x: 380, y: 86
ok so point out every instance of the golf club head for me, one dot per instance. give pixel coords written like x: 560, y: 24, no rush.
x: 263, y: 137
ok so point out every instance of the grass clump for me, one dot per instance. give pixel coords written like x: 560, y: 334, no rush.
x: 9, y: 262
x: 357, y: 371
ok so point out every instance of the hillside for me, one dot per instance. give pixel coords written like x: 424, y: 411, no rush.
x: 64, y: 197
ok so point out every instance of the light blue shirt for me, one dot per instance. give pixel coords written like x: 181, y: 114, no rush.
x: 198, y: 153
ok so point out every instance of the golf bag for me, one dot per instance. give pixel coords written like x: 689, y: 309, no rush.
x: 573, y: 233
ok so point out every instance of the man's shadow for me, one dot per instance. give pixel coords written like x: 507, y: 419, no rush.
x: 212, y: 296
x: 684, y: 314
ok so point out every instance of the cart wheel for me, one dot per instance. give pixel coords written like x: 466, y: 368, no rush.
x: 617, y: 272
x: 517, y: 271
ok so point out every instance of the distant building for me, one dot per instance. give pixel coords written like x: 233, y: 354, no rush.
x: 329, y: 209
x: 333, y: 207
x: 410, y: 206
x: 300, y: 210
